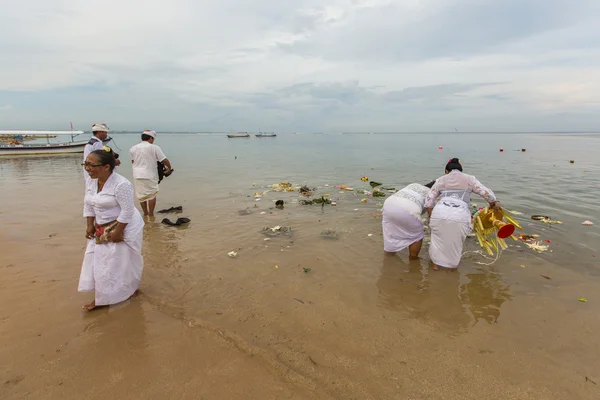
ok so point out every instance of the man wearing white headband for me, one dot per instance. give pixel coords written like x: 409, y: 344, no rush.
x: 100, y: 132
x: 144, y: 157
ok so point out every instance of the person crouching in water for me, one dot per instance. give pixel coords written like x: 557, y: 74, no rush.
x: 144, y: 157
x: 402, y: 225
x: 450, y: 217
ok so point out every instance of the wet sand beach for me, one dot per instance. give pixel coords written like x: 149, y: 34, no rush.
x: 357, y: 325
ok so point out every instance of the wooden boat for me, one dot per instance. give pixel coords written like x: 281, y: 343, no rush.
x: 16, y: 147
x: 238, y: 135
x: 265, y: 134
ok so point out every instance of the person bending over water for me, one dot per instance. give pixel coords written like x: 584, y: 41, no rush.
x: 450, y: 217
x: 402, y: 225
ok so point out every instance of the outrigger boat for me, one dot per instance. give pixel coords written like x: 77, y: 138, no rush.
x: 17, y: 147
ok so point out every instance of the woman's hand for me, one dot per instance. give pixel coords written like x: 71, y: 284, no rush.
x: 116, y: 236
x: 90, y: 232
x: 494, y: 205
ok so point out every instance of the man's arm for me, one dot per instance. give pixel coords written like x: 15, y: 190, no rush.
x: 167, y: 164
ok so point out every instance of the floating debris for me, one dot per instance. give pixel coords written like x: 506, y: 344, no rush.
x: 582, y: 299
x: 232, y: 254
x: 364, y: 179
x: 378, y: 193
x: 278, y: 231
x: 279, y: 204
x: 537, y: 246
x: 515, y: 212
x: 306, y: 191
x: 282, y: 187
x: 364, y: 200
x: 587, y: 223
x: 307, y: 270
x: 330, y: 234
x: 545, y: 219
x: 375, y: 184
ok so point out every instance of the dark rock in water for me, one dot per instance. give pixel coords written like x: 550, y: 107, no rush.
x: 244, y: 212
x: 180, y: 221
x: 279, y: 204
x: 170, y: 210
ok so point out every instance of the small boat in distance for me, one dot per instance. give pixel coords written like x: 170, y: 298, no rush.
x: 265, y: 134
x: 238, y: 135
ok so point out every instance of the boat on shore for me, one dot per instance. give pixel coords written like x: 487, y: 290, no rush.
x: 16, y: 146
x: 238, y: 135
x: 265, y: 134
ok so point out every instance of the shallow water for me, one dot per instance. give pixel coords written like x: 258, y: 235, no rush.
x: 357, y: 314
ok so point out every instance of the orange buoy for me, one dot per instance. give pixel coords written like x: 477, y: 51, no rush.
x: 440, y: 147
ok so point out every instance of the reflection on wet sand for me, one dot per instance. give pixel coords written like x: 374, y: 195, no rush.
x: 164, y: 275
x: 438, y: 298
x: 484, y: 294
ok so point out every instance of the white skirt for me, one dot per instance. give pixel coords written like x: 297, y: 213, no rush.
x: 114, y: 270
x: 145, y: 189
x: 447, y: 240
x: 400, y: 228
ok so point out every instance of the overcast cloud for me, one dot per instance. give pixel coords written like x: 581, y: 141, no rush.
x: 328, y: 65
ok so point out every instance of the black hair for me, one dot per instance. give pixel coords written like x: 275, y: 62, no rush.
x: 453, y: 163
x: 106, y: 157
x: 145, y: 137
x: 430, y: 184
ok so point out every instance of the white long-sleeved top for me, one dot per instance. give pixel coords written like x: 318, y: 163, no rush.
x: 114, y: 202
x: 453, y: 191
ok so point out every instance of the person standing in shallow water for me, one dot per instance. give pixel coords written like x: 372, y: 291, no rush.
x: 144, y: 157
x: 100, y: 133
x: 450, y: 217
x: 402, y: 225
x: 113, y: 263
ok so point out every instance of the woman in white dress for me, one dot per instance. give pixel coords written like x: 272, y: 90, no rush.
x: 402, y: 225
x: 113, y: 263
x: 450, y: 218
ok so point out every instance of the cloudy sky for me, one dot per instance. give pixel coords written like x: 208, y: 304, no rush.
x: 305, y: 65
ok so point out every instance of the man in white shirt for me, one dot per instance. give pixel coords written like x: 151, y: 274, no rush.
x: 144, y: 157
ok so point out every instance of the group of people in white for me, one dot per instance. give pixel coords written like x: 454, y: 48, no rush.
x: 446, y: 201
x: 113, y: 263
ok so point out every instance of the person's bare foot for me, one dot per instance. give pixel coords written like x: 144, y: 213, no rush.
x: 435, y: 267
x: 135, y: 294
x: 90, y: 306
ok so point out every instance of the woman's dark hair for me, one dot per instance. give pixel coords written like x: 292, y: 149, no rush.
x: 106, y: 157
x: 430, y: 184
x: 453, y: 163
x: 145, y: 137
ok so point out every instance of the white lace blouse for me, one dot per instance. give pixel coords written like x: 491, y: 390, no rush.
x: 454, y: 193
x: 114, y: 202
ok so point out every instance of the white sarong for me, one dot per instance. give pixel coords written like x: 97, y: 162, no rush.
x: 447, y: 240
x: 145, y: 189
x: 400, y: 228
x: 114, y: 270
